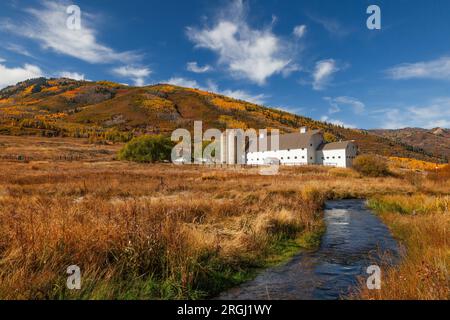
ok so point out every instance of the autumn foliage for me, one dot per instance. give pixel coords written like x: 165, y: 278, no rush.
x: 440, y: 174
x: 73, y: 108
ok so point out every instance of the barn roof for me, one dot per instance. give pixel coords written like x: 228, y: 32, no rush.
x: 295, y: 140
x: 334, y: 145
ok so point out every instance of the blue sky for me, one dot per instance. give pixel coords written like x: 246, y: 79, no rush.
x: 314, y: 58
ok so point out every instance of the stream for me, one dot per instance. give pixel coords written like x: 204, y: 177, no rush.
x: 354, y: 239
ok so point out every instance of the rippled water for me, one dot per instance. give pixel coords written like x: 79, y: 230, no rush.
x: 355, y: 238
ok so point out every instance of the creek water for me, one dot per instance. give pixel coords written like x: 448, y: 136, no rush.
x: 354, y: 239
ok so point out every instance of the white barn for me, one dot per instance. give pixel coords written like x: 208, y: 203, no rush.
x: 303, y: 148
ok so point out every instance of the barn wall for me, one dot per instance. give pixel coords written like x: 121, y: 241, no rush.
x: 333, y: 158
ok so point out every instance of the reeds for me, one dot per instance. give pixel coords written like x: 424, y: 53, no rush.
x: 141, y: 232
x: 421, y: 223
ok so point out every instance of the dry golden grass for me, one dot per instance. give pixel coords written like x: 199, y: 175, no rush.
x: 164, y: 231
x: 54, y: 149
x: 421, y: 223
x: 140, y: 231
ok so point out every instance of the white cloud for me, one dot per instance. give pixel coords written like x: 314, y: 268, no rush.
x: 137, y: 74
x: 182, y: 82
x: 323, y: 72
x: 293, y: 67
x: 72, y: 75
x: 357, y: 106
x: 434, y: 114
x: 299, y: 31
x: 334, y: 27
x: 334, y: 107
x: 10, y: 76
x: 18, y: 49
x: 194, y: 67
x: 247, y: 53
x: 47, y: 25
x: 337, y: 122
x: 2, y: 60
x: 434, y: 69
x: 391, y: 118
x: 338, y: 104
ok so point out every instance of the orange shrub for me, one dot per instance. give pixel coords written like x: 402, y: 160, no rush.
x: 371, y: 165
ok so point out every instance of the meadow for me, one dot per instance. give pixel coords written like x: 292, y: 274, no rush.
x: 421, y: 224
x: 160, y: 231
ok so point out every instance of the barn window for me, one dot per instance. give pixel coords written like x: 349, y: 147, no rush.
x: 303, y: 157
x: 323, y: 158
x: 310, y: 158
x: 295, y: 157
x: 289, y: 158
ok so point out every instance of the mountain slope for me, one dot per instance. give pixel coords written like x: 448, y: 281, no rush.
x: 435, y: 141
x: 109, y: 111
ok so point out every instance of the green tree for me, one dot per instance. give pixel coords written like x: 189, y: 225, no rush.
x: 147, y: 148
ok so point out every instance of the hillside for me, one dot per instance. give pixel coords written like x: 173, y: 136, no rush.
x: 106, y: 111
x: 435, y: 141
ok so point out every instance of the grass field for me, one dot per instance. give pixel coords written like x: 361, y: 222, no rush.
x: 421, y: 223
x: 168, y: 232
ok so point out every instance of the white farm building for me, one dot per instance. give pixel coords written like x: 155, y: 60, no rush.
x: 303, y: 148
